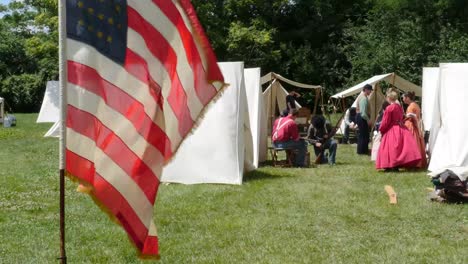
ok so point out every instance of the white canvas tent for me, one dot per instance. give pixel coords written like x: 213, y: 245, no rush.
x: 449, y: 115
x: 430, y: 84
x: 227, y: 142
x: 377, y: 97
x: 257, y: 115
x: 50, y: 108
x: 274, y: 96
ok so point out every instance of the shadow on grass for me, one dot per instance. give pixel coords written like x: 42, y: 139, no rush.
x: 343, y: 163
x: 259, y: 175
x: 417, y: 172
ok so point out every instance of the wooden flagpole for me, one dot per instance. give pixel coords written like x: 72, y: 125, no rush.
x: 63, y: 115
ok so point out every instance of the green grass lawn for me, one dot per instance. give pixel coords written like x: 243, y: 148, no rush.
x: 337, y: 214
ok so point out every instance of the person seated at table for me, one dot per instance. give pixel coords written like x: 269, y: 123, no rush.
x: 285, y: 134
x: 318, y: 135
x: 350, y: 123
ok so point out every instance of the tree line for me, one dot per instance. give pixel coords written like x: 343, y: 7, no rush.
x: 334, y: 43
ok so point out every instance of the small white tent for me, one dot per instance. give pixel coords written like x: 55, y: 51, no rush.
x: 377, y: 97
x: 449, y: 115
x: 50, y: 109
x: 227, y: 142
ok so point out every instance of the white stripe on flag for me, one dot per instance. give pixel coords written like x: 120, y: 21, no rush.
x: 118, y: 76
x: 153, y: 15
x: 137, y: 44
x: 121, y: 126
x: 190, y: 29
x: 152, y: 230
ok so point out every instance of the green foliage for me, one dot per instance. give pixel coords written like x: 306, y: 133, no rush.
x: 254, y: 42
x: 28, y: 52
x: 23, y: 92
x: 12, y: 53
x: 453, y: 47
x: 333, y: 43
x: 337, y: 43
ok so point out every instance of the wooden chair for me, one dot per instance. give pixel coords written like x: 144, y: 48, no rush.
x: 290, y: 156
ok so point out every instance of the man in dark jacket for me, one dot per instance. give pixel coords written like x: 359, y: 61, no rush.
x: 319, y: 136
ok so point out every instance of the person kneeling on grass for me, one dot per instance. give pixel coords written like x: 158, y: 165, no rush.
x: 319, y: 135
x: 285, y: 135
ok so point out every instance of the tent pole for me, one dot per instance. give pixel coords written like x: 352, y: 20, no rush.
x: 317, y: 94
x: 375, y: 108
x: 63, y: 108
x: 272, y: 108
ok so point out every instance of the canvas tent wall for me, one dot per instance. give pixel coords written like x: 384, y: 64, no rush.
x: 448, y: 127
x: 50, y: 109
x: 430, y: 84
x: 257, y: 115
x: 377, y: 97
x: 274, y: 96
x: 226, y: 143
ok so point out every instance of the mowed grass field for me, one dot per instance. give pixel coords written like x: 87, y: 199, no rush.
x: 338, y: 214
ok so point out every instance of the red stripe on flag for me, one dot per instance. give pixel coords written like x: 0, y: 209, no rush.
x: 84, y: 171
x: 163, y: 51
x: 214, y: 73
x: 89, y: 126
x: 204, y: 90
x: 89, y: 79
x: 138, y: 67
x: 115, y: 203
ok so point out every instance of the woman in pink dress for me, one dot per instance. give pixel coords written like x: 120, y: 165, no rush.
x: 398, y: 148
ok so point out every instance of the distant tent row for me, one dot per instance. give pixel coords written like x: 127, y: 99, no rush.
x: 377, y: 97
x: 232, y: 137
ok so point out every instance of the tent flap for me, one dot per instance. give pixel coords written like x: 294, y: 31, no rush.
x: 270, y: 77
x: 391, y: 78
x: 430, y: 83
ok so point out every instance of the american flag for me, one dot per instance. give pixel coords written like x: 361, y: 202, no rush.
x: 140, y: 74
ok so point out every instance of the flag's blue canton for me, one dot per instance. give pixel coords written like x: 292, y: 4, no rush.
x: 101, y: 24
